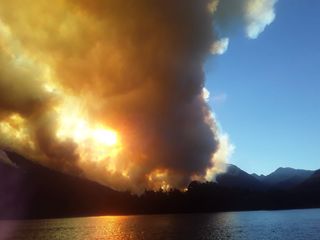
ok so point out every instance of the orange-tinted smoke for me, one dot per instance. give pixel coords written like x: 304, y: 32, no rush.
x: 74, y: 68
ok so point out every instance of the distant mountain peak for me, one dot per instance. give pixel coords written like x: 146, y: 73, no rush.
x: 258, y: 177
x: 233, y: 169
x: 285, y: 177
x: 235, y: 177
x: 281, y: 169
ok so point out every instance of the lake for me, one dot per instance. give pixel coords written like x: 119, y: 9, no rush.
x: 269, y: 225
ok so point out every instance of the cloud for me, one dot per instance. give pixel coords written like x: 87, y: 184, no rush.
x: 258, y: 15
x: 249, y: 16
x: 221, y: 157
x: 219, y: 47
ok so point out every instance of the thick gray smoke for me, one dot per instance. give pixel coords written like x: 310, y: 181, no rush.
x: 113, y: 89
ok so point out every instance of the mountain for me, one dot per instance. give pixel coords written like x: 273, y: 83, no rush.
x: 234, y: 177
x: 29, y: 190
x: 284, y: 178
x: 312, y: 183
x: 259, y: 177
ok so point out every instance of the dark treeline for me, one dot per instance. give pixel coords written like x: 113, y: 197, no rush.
x: 33, y: 191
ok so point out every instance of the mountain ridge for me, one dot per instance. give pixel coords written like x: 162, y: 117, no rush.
x: 29, y: 190
x: 284, y: 177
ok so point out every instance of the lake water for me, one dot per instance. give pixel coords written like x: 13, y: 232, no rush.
x: 282, y: 225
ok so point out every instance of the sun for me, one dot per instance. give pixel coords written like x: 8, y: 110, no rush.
x: 106, y: 137
x: 94, y: 141
x: 80, y: 131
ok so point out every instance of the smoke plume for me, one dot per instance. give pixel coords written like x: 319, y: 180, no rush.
x: 113, y: 89
x: 249, y: 16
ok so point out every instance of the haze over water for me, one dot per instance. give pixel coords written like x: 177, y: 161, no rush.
x: 293, y: 224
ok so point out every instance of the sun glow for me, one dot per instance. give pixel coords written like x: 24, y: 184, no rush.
x: 95, y: 142
x: 107, y: 137
x: 80, y: 131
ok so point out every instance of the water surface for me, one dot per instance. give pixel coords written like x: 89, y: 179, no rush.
x: 282, y: 225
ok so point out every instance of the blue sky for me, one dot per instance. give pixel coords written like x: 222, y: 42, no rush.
x: 266, y: 92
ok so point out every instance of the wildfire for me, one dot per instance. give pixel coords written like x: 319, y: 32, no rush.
x: 79, y: 131
x: 13, y: 129
x: 83, y: 91
x: 106, y: 137
x: 95, y: 142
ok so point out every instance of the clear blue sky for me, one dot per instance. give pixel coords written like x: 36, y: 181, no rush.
x: 272, y: 85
